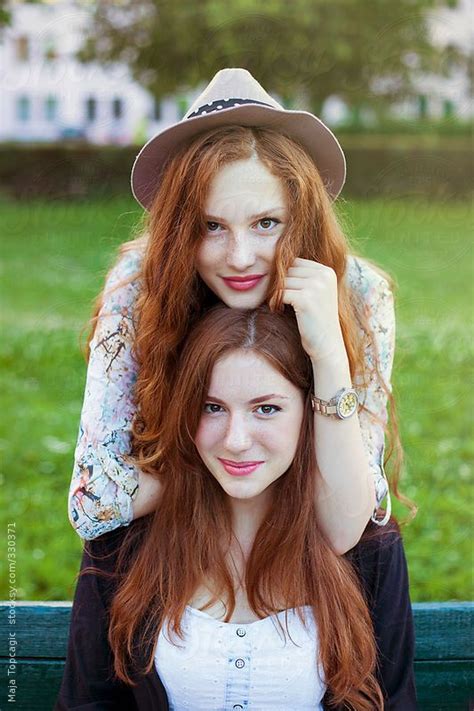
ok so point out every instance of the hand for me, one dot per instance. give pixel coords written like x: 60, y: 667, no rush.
x: 311, y: 288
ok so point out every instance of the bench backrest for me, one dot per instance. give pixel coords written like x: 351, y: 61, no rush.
x: 34, y: 641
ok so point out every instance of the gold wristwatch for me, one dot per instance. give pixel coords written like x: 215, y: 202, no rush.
x: 343, y: 405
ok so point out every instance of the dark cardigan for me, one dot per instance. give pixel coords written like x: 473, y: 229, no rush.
x: 88, y: 683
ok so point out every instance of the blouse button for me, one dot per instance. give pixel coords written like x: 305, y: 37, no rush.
x: 241, y: 632
x: 239, y: 663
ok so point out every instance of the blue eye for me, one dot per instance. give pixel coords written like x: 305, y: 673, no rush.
x: 269, y: 409
x: 211, y: 229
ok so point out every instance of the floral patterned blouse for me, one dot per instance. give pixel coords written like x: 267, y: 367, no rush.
x: 103, y: 485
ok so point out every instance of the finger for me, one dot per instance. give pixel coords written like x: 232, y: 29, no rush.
x: 294, y: 297
x: 313, y: 266
x: 300, y: 283
x: 302, y: 272
x: 299, y: 261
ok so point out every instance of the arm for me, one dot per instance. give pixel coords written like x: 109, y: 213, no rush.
x: 350, y: 452
x: 382, y: 323
x: 103, y: 484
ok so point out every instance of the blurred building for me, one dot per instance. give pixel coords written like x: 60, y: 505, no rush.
x: 451, y: 95
x: 444, y: 94
x: 48, y: 95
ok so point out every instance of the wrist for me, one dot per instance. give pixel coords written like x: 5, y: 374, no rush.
x: 330, y: 374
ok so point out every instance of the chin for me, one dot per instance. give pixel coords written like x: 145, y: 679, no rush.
x: 241, y: 490
x: 243, y: 300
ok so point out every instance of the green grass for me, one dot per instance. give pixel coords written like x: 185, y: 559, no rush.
x: 55, y: 256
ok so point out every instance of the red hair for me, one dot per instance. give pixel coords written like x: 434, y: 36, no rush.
x: 173, y: 296
x: 190, y: 532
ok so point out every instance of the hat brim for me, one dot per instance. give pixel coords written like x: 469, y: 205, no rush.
x: 317, y: 139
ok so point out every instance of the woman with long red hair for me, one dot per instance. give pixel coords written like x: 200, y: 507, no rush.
x: 187, y: 606
x: 238, y: 210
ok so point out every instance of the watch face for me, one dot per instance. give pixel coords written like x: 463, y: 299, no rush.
x: 347, y: 404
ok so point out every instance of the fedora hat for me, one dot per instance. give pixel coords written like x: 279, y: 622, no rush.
x: 234, y: 97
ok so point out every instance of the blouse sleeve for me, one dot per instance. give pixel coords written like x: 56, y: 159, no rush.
x: 381, y: 316
x: 103, y: 484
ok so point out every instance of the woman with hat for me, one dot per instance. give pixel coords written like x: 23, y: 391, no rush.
x: 238, y: 210
x: 229, y: 596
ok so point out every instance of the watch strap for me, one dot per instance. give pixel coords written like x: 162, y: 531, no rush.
x: 323, y: 407
x: 329, y: 407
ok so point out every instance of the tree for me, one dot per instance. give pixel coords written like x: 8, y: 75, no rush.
x: 303, y: 50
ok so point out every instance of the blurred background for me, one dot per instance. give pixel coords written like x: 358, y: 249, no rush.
x: 85, y: 84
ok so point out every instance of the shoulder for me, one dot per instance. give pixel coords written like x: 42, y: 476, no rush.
x: 122, y: 283
x: 127, y: 266
x: 364, y: 279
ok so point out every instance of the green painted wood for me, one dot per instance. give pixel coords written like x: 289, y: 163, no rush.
x: 444, y: 666
x: 444, y: 630
x: 444, y: 685
x: 37, y: 683
x: 41, y: 629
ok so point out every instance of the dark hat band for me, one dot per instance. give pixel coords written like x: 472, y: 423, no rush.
x: 224, y: 104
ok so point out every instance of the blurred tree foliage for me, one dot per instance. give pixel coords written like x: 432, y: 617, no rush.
x: 5, y: 15
x: 303, y: 50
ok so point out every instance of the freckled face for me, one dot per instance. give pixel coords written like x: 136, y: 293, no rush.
x: 247, y: 444
x: 246, y: 214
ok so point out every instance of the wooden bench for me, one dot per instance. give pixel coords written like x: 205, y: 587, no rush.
x: 38, y: 633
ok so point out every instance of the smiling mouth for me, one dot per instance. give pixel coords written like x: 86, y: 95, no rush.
x: 243, y: 283
x: 239, y: 468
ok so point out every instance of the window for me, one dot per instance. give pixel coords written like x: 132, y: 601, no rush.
x: 23, y: 108
x: 448, y: 108
x: 22, y: 48
x: 157, y: 110
x: 450, y: 53
x: 117, y: 108
x: 50, y: 49
x: 91, y: 109
x: 422, y: 106
x: 50, y: 108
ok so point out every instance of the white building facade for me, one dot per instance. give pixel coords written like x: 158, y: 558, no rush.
x: 48, y: 95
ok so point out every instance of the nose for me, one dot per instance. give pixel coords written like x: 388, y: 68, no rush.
x: 238, y: 436
x: 240, y: 252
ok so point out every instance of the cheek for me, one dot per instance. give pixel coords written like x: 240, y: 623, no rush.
x: 207, y: 257
x: 270, y: 249
x: 208, y: 436
x: 284, y: 438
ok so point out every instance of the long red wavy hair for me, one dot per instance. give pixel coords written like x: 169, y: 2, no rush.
x: 172, y: 296
x: 190, y: 532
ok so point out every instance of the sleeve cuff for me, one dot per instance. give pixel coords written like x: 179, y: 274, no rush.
x: 388, y: 509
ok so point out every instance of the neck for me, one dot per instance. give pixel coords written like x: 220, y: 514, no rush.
x: 247, y: 516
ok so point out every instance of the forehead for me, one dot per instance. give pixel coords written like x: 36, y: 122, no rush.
x: 240, y: 376
x: 244, y: 188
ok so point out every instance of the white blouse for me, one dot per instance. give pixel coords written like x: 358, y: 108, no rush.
x: 226, y: 666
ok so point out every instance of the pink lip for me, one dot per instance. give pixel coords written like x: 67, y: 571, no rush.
x: 239, y: 468
x: 243, y: 283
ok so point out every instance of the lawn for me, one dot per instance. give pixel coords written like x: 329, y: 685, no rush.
x: 55, y: 256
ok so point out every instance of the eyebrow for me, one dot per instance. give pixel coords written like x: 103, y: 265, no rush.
x: 265, y: 213
x: 254, y: 401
